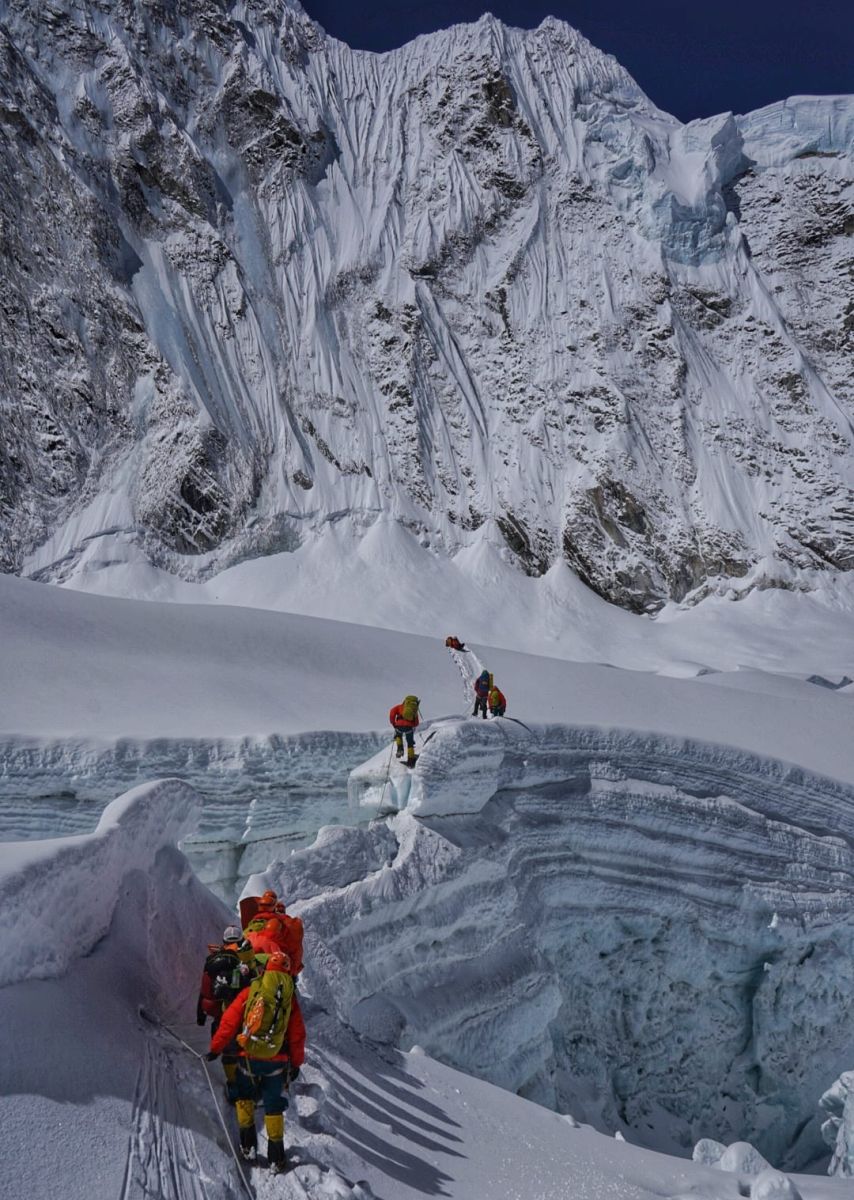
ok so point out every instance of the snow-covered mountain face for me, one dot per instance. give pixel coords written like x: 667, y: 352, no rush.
x: 254, y: 283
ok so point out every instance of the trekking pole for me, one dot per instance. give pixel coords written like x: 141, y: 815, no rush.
x: 152, y: 1020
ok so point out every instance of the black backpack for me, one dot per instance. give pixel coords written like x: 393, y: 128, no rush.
x: 223, y: 967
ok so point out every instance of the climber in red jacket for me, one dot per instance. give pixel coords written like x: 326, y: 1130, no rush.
x: 269, y: 1072
x: 404, y: 721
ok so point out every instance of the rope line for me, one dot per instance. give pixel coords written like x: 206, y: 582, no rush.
x: 162, y: 1025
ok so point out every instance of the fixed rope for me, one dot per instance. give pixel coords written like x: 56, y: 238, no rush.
x: 152, y: 1020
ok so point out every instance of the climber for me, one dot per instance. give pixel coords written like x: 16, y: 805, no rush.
x: 271, y: 928
x: 454, y: 643
x: 269, y: 1034
x: 266, y: 939
x: 497, y: 701
x: 404, y: 719
x: 482, y: 686
x: 291, y: 937
x: 228, y: 969
x: 280, y: 932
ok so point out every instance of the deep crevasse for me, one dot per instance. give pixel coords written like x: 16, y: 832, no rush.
x: 652, y: 934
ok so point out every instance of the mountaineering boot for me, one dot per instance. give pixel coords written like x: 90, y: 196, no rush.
x: 412, y: 760
x: 276, y: 1158
x: 248, y: 1142
x: 275, y: 1127
x: 245, y: 1110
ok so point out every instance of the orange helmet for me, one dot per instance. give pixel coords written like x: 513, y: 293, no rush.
x: 267, y: 900
x: 273, y: 927
x: 279, y: 962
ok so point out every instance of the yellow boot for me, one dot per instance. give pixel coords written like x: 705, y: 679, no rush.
x: 274, y: 1124
x: 245, y: 1110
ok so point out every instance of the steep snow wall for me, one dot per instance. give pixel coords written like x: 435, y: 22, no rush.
x: 60, y: 896
x: 93, y: 928
x: 653, y: 934
x: 270, y: 292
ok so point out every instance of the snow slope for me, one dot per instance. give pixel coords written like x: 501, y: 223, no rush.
x: 390, y: 581
x: 109, y: 1105
x: 266, y: 713
x: 89, y: 671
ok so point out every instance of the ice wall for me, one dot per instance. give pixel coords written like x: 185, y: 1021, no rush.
x: 480, y: 289
x: 837, y: 1128
x: 261, y: 795
x: 653, y: 934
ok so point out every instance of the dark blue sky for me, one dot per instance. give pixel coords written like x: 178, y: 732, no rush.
x: 693, y: 59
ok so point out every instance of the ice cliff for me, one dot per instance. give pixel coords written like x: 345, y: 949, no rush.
x: 838, y: 1126
x: 652, y: 934
x: 82, y: 881
x: 255, y: 285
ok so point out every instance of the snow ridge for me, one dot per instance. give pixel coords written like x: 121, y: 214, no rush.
x: 79, y: 880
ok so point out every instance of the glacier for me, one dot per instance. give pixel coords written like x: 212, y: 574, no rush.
x: 315, y: 356
x: 653, y: 935
x: 365, y: 1120
x: 634, y: 909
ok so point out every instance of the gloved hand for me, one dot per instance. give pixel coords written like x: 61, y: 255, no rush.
x: 293, y: 1073
x: 212, y: 1055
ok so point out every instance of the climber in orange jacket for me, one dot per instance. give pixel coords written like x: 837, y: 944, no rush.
x: 404, y: 721
x: 272, y: 928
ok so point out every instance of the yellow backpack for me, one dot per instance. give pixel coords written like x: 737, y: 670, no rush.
x: 266, y: 1015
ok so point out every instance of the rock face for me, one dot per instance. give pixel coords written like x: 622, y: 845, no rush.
x: 254, y: 281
